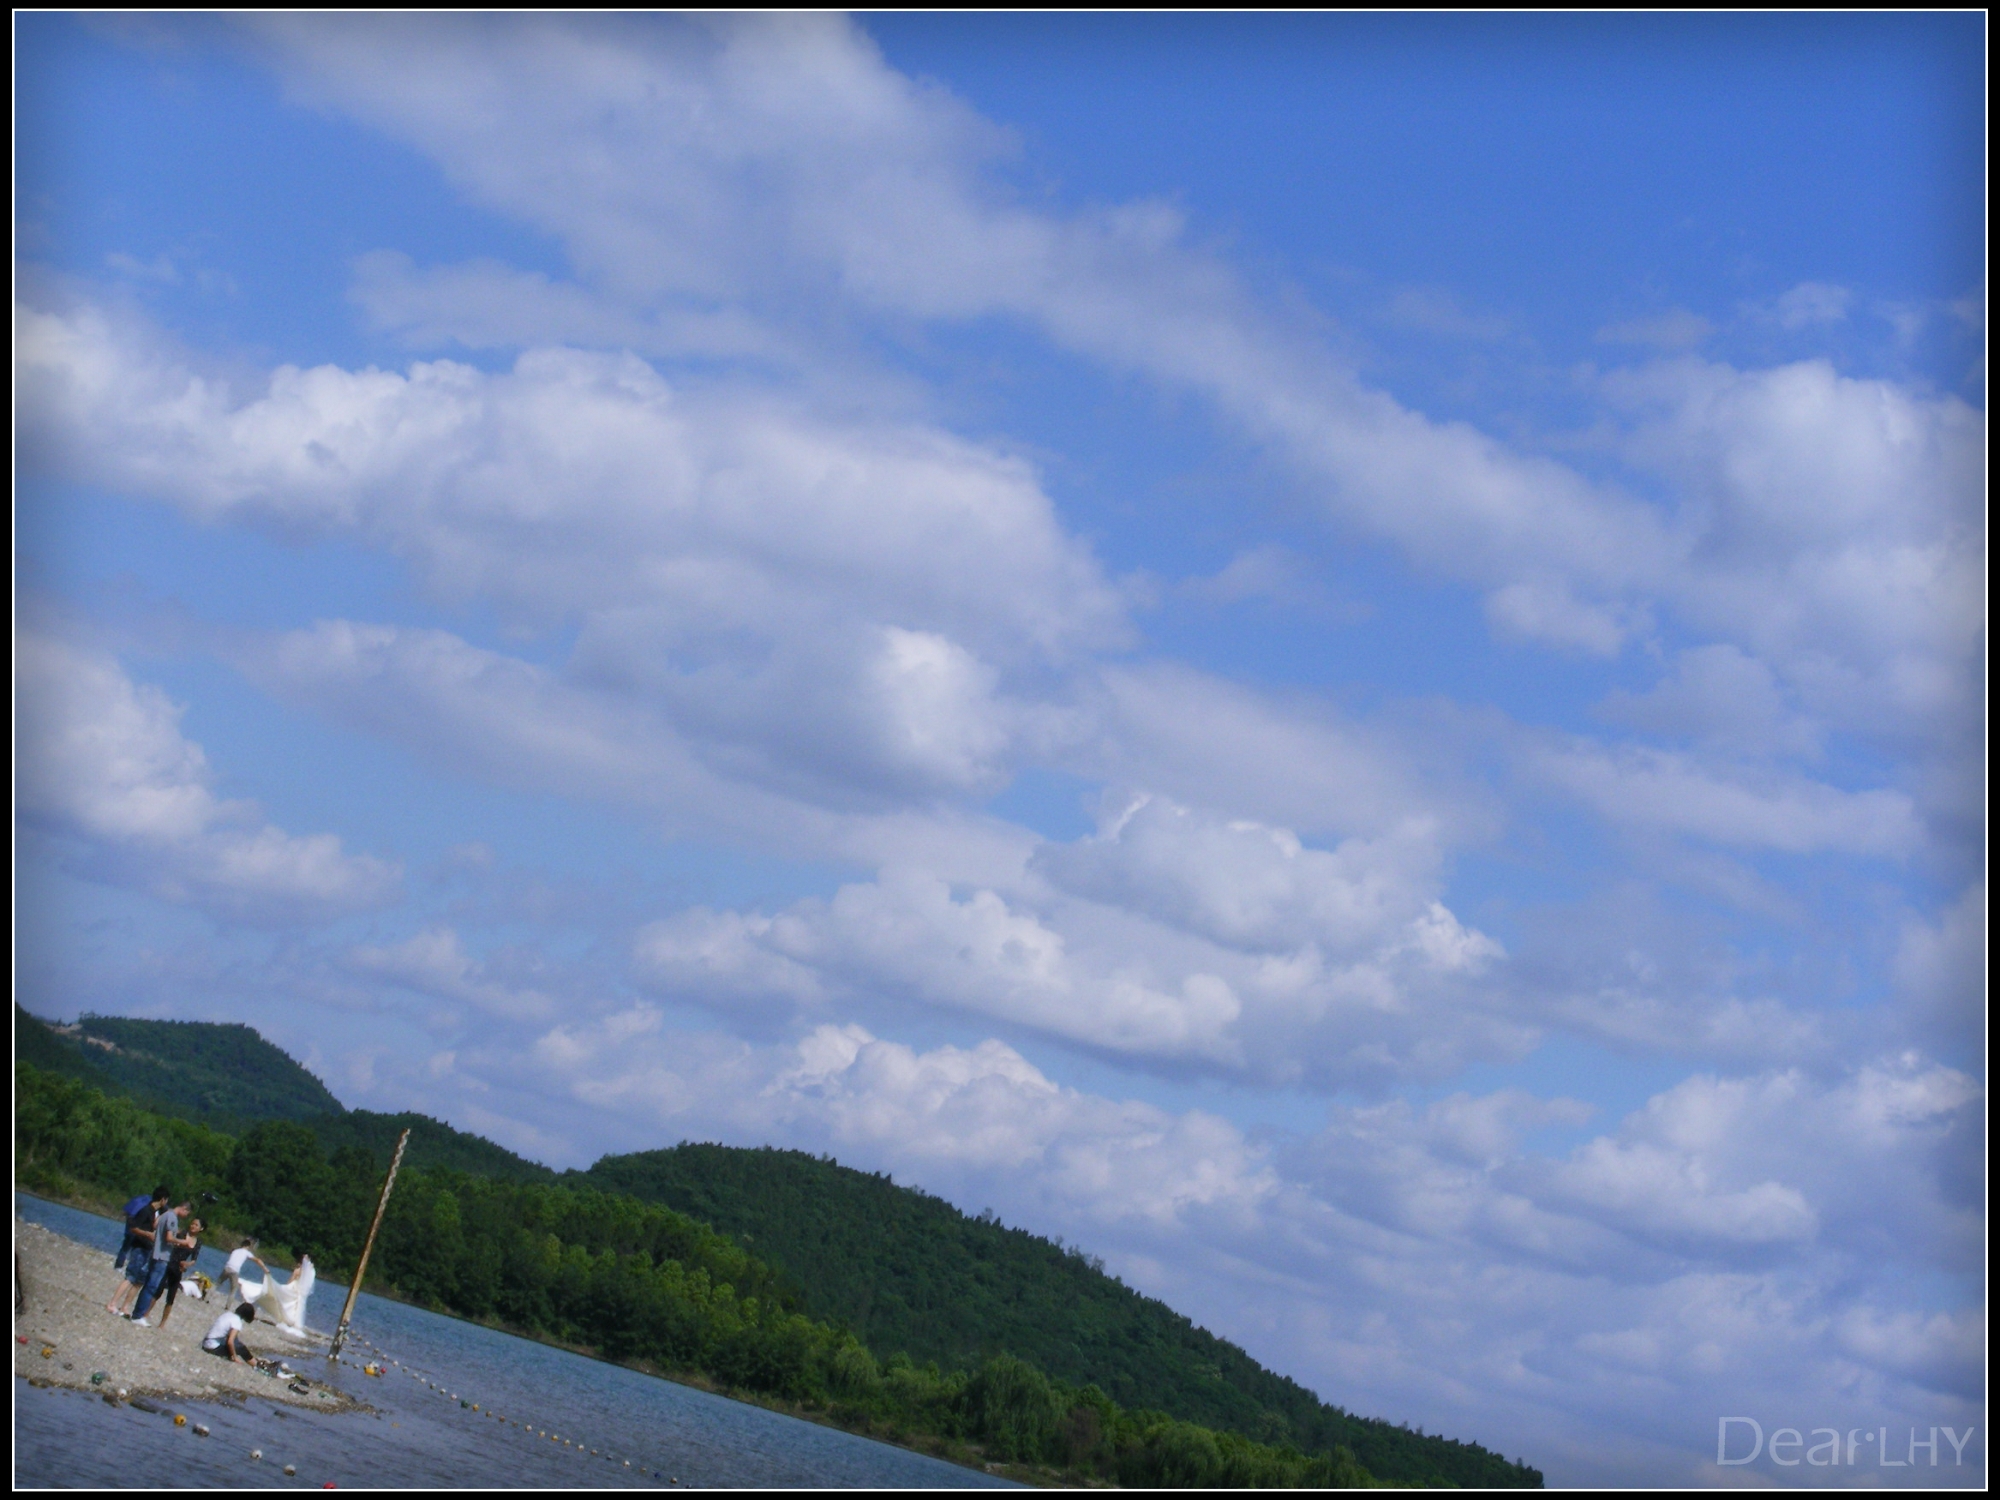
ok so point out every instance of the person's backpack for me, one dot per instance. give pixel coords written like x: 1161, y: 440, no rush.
x: 132, y: 1208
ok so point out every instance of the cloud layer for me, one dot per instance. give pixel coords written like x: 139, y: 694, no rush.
x: 103, y: 767
x: 704, y: 539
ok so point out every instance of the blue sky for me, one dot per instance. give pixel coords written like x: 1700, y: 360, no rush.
x: 1340, y: 657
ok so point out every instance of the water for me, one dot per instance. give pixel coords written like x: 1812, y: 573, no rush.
x: 418, y: 1436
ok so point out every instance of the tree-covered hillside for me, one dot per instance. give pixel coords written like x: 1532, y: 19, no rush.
x: 910, y: 1273
x: 433, y: 1144
x: 35, y: 1041
x: 229, y: 1077
x: 199, y: 1070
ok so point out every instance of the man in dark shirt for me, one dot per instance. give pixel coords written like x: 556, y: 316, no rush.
x: 138, y: 1252
x: 130, y: 1212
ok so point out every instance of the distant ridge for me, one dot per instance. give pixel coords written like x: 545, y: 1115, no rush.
x: 200, y: 1070
x: 225, y: 1075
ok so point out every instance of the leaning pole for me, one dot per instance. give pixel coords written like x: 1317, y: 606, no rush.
x: 381, y: 1207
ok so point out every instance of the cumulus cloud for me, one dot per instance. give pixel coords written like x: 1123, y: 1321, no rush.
x: 1939, y: 972
x: 756, y: 168
x: 883, y: 193
x: 434, y: 963
x: 830, y: 607
x: 1171, y: 937
x: 1723, y: 698
x: 1810, y: 303
x: 1248, y: 884
x: 767, y: 163
x: 1840, y: 531
x: 103, y: 766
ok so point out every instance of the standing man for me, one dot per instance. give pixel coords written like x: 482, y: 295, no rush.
x: 166, y: 1232
x: 232, y: 1274
x: 138, y: 1252
x: 131, y: 1212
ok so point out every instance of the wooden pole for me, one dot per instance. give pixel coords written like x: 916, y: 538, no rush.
x: 381, y: 1207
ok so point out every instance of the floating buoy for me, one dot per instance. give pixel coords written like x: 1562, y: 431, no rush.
x: 256, y: 1452
x: 180, y: 1419
x: 291, y: 1469
x: 199, y: 1430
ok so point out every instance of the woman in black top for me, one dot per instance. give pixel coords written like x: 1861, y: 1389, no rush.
x: 185, y: 1248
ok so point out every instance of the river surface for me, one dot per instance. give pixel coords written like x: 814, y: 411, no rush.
x: 648, y: 1432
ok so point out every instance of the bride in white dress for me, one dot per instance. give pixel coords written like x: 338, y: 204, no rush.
x: 283, y: 1302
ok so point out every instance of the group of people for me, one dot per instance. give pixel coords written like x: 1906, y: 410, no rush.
x: 161, y: 1238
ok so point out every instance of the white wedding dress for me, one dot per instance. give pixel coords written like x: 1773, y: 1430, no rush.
x: 283, y: 1302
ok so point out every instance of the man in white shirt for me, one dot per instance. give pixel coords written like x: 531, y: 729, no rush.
x: 232, y: 1274
x: 223, y: 1337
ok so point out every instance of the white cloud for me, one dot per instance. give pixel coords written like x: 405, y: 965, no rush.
x: 1287, y: 761
x: 486, y: 304
x: 434, y: 963
x: 1248, y: 884
x: 1676, y: 328
x: 761, y: 169
x: 907, y: 936
x: 772, y: 164
x: 1722, y: 698
x: 1739, y: 807
x: 1811, y: 303
x: 102, y: 763
x: 1545, y: 611
x: 1940, y: 970
x: 1171, y: 938
x: 1838, y: 531
x: 830, y: 608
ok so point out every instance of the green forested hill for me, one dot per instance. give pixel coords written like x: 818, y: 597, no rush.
x: 229, y: 1077
x: 51, y: 1051
x: 199, y: 1070
x: 910, y: 1273
x: 433, y: 1144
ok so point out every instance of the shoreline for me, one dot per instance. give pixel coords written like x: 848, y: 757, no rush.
x: 236, y: 1381
x: 64, y: 1337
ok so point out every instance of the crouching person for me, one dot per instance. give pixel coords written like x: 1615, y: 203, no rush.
x: 224, y: 1337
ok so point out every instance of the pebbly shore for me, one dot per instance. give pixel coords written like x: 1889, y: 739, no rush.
x: 64, y: 1337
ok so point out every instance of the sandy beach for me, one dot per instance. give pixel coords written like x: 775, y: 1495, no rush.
x: 64, y: 1336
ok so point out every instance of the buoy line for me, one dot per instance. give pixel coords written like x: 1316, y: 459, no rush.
x: 581, y: 1449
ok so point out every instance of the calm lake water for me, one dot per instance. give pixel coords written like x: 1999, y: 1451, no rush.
x: 419, y: 1436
